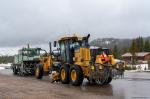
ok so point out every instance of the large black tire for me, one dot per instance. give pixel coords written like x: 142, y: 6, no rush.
x: 106, y: 77
x: 78, y: 78
x: 21, y: 70
x: 15, y: 71
x: 108, y: 80
x: 91, y: 81
x: 39, y: 71
x: 64, y: 74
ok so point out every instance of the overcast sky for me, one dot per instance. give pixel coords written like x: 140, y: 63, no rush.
x: 40, y: 21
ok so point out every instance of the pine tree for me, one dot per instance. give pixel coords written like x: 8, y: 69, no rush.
x: 133, y: 47
x: 139, y: 44
x: 147, y: 46
x: 124, y: 50
x: 133, y: 50
x: 116, y: 52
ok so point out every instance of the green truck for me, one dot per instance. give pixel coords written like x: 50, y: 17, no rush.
x: 25, y: 61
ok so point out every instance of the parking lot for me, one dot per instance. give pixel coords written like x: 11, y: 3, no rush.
x: 135, y: 85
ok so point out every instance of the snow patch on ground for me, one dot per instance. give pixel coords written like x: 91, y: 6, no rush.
x: 142, y: 67
x: 2, y: 68
x: 5, y: 66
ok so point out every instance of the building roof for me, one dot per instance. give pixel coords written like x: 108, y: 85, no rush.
x: 142, y: 54
x: 127, y: 55
x: 139, y: 54
x: 74, y: 37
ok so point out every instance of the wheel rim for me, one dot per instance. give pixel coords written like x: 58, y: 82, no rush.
x: 73, y: 75
x: 63, y: 74
x: 37, y: 72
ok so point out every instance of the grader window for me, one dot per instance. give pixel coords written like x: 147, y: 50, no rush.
x: 62, y: 52
x: 25, y: 53
x: 31, y: 52
x: 106, y: 51
x: 74, y: 45
x: 79, y: 43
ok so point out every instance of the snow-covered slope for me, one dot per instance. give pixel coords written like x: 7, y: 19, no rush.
x: 8, y: 51
x: 14, y: 50
x: 111, y: 42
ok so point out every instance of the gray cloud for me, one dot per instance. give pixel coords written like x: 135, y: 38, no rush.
x: 40, y: 21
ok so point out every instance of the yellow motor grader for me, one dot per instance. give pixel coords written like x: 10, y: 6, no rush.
x: 105, y: 60
x: 72, y: 62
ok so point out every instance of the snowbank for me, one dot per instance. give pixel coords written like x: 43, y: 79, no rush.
x: 5, y: 66
x: 142, y: 66
x: 2, y: 68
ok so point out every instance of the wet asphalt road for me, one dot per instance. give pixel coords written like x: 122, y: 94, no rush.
x: 135, y: 85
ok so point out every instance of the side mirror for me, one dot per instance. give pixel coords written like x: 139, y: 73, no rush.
x: 55, y: 43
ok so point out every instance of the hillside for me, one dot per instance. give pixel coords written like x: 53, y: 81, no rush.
x: 111, y: 42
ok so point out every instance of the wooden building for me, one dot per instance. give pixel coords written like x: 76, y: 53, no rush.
x: 139, y: 56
